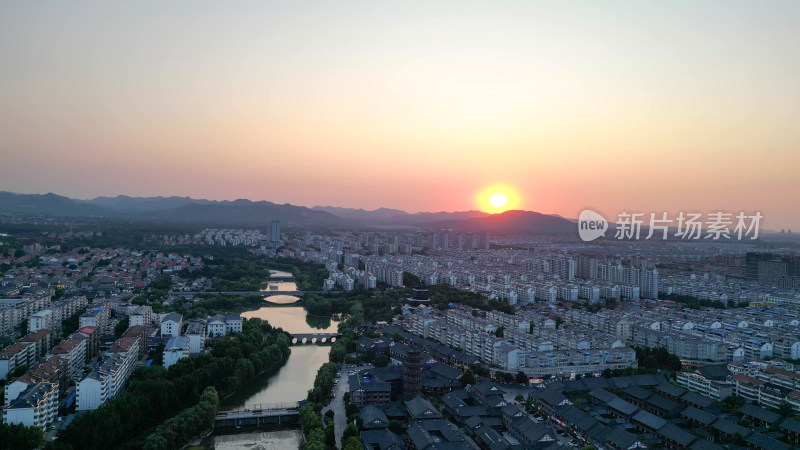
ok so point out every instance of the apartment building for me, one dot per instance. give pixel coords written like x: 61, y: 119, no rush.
x: 110, y: 377
x: 36, y: 406
x: 220, y: 325
x: 73, y: 351
x: 176, y: 349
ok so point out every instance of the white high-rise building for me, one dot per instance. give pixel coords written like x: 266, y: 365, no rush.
x: 275, y: 231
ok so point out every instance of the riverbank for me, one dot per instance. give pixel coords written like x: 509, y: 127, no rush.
x: 153, y: 395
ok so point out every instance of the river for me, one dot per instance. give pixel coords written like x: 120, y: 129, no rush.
x: 290, y: 384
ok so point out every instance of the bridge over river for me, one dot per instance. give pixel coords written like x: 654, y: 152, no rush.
x: 259, y: 414
x: 314, y: 338
x: 261, y: 293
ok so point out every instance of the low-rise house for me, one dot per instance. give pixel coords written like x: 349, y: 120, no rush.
x: 647, y: 422
x: 577, y: 421
x: 762, y: 442
x: 618, y: 438
x: 439, y: 433
x: 662, y: 406
x: 759, y: 416
x: 369, y: 393
x: 791, y: 429
x: 420, y: 409
x: 373, y: 417
x: 698, y: 417
x: 674, y: 437
x: 698, y: 401
x: 530, y: 433
x: 622, y: 409
x: 730, y: 429
x: 381, y: 440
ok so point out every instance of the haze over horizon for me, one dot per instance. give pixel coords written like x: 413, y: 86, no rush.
x: 408, y: 105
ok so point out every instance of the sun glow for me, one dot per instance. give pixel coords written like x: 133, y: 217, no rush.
x: 497, y: 198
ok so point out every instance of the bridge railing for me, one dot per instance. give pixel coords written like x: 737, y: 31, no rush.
x: 261, y: 407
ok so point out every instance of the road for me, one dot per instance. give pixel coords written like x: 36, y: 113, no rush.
x: 337, y: 404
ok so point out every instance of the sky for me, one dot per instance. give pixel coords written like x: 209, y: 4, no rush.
x: 614, y: 106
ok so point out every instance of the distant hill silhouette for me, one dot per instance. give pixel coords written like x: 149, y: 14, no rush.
x: 398, y: 216
x: 48, y: 204
x: 245, y: 212
x: 126, y: 204
x: 514, y: 222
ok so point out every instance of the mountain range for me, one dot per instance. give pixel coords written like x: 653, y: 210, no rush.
x: 247, y: 212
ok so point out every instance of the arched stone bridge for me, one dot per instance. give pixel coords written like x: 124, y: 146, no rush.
x: 314, y: 338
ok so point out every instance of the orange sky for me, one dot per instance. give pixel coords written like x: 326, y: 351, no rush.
x: 411, y: 105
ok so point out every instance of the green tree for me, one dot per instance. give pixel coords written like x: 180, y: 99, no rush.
x: 353, y: 443
x: 349, y: 432
x: 316, y: 439
x: 468, y: 378
x: 338, y: 352
x: 330, y: 435
x: 15, y: 436
x: 785, y: 409
x: 395, y: 426
x: 120, y: 327
x: 731, y: 404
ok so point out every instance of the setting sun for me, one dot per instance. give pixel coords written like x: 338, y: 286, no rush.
x: 497, y: 198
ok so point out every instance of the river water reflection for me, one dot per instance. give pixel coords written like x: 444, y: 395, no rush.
x: 282, y: 299
x: 289, y: 385
x: 293, y: 319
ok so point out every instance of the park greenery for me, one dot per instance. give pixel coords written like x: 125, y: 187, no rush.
x: 696, y: 303
x: 154, y: 395
x: 239, y: 270
x: 323, y: 383
x: 20, y: 437
x: 443, y: 295
x: 317, y: 435
x: 384, y: 305
x: 657, y: 358
x: 211, y: 304
x: 189, y: 423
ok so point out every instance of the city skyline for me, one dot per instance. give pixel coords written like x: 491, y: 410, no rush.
x: 419, y: 107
